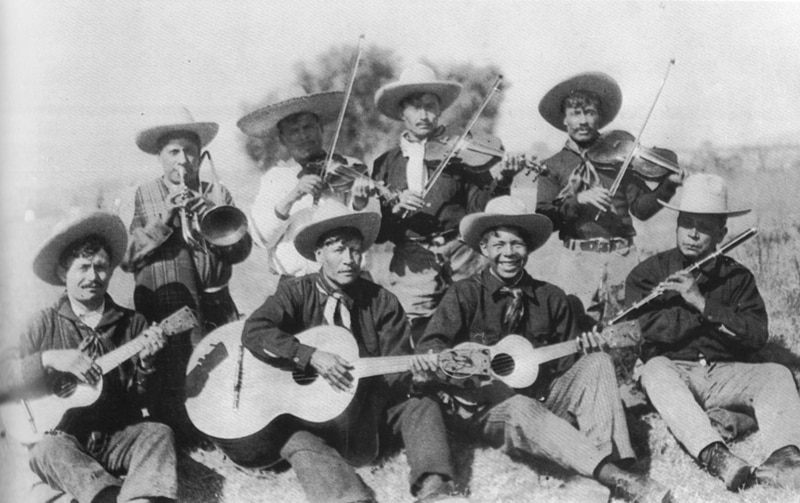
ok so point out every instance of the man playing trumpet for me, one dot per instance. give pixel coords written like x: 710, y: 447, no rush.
x: 172, y: 264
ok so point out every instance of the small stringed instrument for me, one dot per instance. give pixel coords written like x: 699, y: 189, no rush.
x: 248, y: 408
x: 27, y: 420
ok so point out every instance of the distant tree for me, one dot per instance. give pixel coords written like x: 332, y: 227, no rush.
x: 365, y: 132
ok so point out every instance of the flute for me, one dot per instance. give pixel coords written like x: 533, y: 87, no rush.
x: 730, y: 245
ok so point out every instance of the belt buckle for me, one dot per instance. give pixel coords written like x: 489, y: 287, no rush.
x: 603, y: 245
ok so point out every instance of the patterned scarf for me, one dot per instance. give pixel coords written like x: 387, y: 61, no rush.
x: 582, y: 178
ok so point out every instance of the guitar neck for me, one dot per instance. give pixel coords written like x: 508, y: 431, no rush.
x: 369, y: 367
x: 552, y: 352
x: 114, y: 359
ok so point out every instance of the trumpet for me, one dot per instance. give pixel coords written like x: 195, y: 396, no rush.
x: 222, y: 229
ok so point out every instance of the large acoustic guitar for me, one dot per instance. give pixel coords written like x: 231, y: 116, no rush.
x: 248, y: 407
x: 28, y: 419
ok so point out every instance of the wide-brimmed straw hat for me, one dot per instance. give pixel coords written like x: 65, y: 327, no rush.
x: 332, y: 215
x: 704, y: 194
x: 601, y: 84
x: 415, y: 79
x: 107, y: 225
x: 292, y: 100
x: 172, y: 119
x: 506, y: 211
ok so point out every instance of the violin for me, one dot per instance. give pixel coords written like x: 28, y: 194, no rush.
x: 650, y: 163
x: 340, y: 176
x: 477, y: 153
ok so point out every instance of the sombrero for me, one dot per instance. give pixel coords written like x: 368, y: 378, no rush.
x: 66, y: 232
x: 603, y: 85
x: 332, y: 215
x: 415, y: 79
x: 295, y: 100
x: 172, y: 119
x: 510, y: 212
x: 704, y: 194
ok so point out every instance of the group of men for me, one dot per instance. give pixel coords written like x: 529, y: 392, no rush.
x: 457, y: 275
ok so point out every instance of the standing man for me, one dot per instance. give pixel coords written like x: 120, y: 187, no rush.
x: 428, y: 255
x: 699, y: 335
x: 92, y: 446
x: 338, y: 295
x: 293, y: 185
x: 572, y: 415
x: 574, y: 190
x: 170, y: 261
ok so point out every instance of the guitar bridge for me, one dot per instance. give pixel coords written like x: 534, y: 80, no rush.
x: 465, y: 367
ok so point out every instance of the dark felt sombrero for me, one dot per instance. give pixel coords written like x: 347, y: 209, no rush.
x: 603, y: 85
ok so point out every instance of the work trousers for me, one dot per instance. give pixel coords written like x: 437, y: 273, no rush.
x: 580, y: 424
x: 145, y: 452
x: 681, y: 392
x: 327, y: 477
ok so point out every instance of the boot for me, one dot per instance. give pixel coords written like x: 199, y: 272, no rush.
x: 736, y: 473
x: 435, y: 489
x: 632, y: 487
x: 781, y: 469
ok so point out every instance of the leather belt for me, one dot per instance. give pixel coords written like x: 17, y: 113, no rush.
x: 600, y: 245
x: 436, y: 239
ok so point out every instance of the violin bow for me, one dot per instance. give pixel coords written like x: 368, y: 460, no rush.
x: 351, y: 80
x: 457, y: 145
x: 618, y: 180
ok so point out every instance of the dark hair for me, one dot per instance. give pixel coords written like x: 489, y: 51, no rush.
x: 580, y: 98
x: 168, y: 137
x: 292, y: 118
x: 336, y: 235
x: 85, y: 247
x: 493, y: 233
x: 415, y: 96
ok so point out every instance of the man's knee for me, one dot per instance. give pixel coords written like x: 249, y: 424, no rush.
x: 522, y: 411
x: 597, y: 365
x: 657, y: 370
x: 777, y: 380
x: 51, y: 448
x: 156, y: 432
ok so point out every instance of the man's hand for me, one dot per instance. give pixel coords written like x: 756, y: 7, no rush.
x: 423, y: 368
x: 684, y: 283
x: 334, y: 369
x: 589, y: 342
x: 408, y: 201
x: 360, y: 190
x: 73, y: 361
x: 598, y: 197
x: 154, y: 340
x: 504, y: 171
x: 196, y: 204
x: 307, y: 184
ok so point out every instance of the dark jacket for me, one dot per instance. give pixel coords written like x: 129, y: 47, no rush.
x: 57, y: 327
x: 576, y: 221
x: 673, y: 328
x: 456, y: 194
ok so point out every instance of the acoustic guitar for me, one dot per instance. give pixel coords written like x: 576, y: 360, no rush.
x: 248, y: 407
x: 28, y: 419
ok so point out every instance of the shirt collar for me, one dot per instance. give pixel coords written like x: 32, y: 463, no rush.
x: 493, y: 284
x: 111, y: 312
x: 326, y: 289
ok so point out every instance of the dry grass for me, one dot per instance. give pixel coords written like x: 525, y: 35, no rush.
x: 488, y: 475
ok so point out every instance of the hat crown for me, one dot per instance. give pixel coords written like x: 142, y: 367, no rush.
x: 417, y: 74
x: 327, y: 209
x: 704, y: 193
x: 506, y: 205
x: 166, y: 115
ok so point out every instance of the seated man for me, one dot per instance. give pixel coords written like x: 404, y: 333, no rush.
x: 572, y: 414
x: 92, y: 446
x: 697, y: 337
x: 337, y: 295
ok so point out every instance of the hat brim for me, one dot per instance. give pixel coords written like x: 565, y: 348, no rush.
x: 388, y: 97
x: 537, y: 228
x: 698, y: 211
x: 107, y: 225
x: 261, y: 122
x: 147, y: 139
x: 597, y: 82
x: 367, y: 222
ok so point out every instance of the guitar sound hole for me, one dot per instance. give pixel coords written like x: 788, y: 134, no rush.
x: 306, y: 377
x: 503, y: 364
x: 65, y: 386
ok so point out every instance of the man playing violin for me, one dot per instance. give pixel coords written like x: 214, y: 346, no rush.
x: 699, y: 335
x: 572, y: 414
x: 336, y: 237
x: 428, y: 255
x: 575, y: 190
x: 92, y: 447
x: 172, y: 265
x: 289, y: 189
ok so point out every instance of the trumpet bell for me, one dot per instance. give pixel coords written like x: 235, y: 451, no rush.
x: 225, y: 229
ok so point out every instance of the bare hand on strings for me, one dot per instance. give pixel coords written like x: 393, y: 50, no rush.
x: 73, y: 361
x: 589, y: 342
x: 333, y: 368
x: 598, y: 197
x: 408, y: 201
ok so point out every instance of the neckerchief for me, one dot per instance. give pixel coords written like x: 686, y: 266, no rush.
x: 337, y: 304
x: 583, y: 177
x: 416, y: 172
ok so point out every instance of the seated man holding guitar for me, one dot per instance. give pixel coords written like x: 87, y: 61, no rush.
x: 572, y: 414
x: 277, y: 333
x: 84, y: 451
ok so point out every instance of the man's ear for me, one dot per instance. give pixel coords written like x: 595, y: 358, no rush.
x: 484, y: 248
x: 318, y: 253
x: 62, y: 273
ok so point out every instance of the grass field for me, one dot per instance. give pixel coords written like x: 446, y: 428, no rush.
x: 488, y: 475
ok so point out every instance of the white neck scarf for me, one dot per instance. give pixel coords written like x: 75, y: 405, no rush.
x: 416, y: 173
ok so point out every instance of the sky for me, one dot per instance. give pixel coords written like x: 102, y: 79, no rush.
x: 76, y: 74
